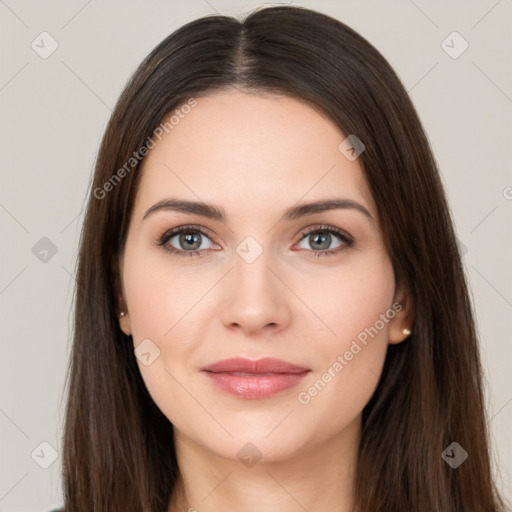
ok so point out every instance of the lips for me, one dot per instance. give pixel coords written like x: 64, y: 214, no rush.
x: 254, y: 379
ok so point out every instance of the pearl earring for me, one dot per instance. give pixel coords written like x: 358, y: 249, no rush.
x: 406, y: 332
x: 122, y: 313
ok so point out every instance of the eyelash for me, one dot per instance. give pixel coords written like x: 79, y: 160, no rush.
x: 323, y: 229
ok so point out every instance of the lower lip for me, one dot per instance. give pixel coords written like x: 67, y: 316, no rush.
x: 257, y: 385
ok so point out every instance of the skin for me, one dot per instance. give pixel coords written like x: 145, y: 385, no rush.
x: 255, y: 156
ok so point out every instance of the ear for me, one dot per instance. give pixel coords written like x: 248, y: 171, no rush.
x: 121, y: 306
x: 404, y: 315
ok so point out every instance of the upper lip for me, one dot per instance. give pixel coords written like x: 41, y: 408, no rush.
x: 265, y: 365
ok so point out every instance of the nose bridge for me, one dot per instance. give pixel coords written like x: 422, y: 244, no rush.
x: 256, y: 295
x: 251, y: 269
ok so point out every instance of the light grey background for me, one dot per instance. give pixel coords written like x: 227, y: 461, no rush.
x: 55, y: 110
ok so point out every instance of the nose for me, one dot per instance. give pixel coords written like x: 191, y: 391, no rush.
x: 256, y: 297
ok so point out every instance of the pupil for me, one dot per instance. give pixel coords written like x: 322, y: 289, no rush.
x: 325, y: 237
x: 189, y: 239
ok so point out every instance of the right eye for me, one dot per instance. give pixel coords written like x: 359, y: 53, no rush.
x: 184, y: 241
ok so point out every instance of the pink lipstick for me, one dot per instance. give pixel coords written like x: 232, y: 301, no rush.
x: 254, y: 379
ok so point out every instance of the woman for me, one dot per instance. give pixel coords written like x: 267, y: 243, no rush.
x: 306, y: 353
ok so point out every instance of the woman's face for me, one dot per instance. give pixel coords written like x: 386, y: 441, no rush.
x: 259, y: 282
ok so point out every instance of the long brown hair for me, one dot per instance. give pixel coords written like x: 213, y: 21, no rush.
x: 118, y: 451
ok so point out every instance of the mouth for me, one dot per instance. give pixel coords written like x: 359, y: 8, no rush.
x: 259, y: 379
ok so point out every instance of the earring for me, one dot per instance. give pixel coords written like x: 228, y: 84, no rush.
x: 122, y: 313
x: 406, y: 332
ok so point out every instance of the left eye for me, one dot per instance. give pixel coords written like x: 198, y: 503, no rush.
x: 320, y: 240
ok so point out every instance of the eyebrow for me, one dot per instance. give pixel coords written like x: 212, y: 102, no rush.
x: 213, y: 212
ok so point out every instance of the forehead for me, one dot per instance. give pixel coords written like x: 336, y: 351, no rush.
x: 249, y: 153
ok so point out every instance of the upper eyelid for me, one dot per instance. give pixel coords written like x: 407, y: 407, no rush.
x: 177, y: 230
x: 325, y: 227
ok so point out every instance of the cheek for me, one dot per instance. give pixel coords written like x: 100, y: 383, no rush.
x: 163, y: 306
x: 351, y: 299
x: 159, y: 294
x: 357, y: 309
